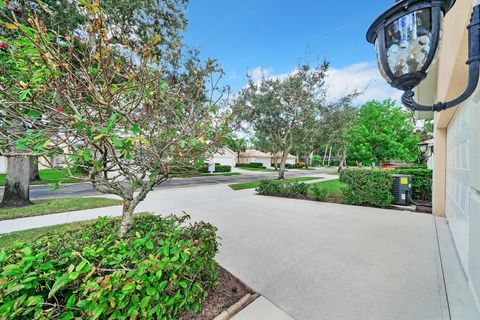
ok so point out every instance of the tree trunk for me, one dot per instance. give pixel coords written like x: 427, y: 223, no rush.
x: 127, y: 218
x: 17, y: 187
x: 330, y: 156
x: 343, y: 160
x: 325, y: 156
x: 34, y: 173
x: 281, y: 170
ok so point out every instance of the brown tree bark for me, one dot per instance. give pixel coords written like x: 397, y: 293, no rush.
x: 329, y: 156
x: 325, y: 156
x: 281, y: 170
x: 34, y: 172
x: 17, y: 187
x: 127, y: 218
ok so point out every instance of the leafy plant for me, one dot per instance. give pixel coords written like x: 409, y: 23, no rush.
x: 218, y: 168
x: 162, y: 268
x: 365, y: 186
x: 319, y: 193
x: 285, y: 189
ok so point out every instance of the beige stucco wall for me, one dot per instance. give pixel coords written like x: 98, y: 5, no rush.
x: 457, y: 143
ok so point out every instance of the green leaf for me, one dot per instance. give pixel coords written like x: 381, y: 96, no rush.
x: 87, y: 156
x: 2, y: 4
x: 144, y: 302
x: 136, y: 128
x: 129, y: 287
x: 59, y: 284
x: 98, y: 311
x: 151, y: 291
x: 149, y: 245
x: 118, y: 142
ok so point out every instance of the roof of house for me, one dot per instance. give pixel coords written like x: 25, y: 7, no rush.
x: 225, y: 152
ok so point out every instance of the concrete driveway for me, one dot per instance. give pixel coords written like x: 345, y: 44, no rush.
x: 322, y: 261
x: 318, y: 260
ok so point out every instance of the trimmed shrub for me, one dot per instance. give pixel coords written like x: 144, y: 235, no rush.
x: 334, y: 163
x: 218, y: 168
x: 422, y: 179
x: 256, y: 165
x: 319, y: 193
x: 282, y: 188
x: 367, y: 187
x: 162, y: 267
x: 242, y: 165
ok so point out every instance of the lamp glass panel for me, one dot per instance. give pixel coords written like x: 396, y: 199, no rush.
x: 408, y: 41
x: 423, y: 147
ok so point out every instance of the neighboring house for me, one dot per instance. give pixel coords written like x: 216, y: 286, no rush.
x: 456, y: 173
x: 267, y: 159
x: 3, y: 165
x: 224, y: 156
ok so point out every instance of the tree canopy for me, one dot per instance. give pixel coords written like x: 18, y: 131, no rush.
x: 382, y: 132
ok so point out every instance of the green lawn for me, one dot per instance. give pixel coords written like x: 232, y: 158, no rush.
x: 256, y: 183
x: 333, y: 187
x: 42, y: 207
x: 28, y: 236
x: 48, y: 176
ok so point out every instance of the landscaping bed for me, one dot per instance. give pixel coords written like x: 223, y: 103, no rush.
x: 163, y: 268
x: 256, y: 183
x: 228, y: 291
x: 49, y: 206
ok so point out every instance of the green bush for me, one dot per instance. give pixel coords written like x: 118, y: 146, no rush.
x: 317, y: 160
x: 256, y: 165
x: 162, y: 267
x: 422, y: 179
x: 365, y: 186
x: 334, y: 163
x: 218, y: 168
x: 242, y: 165
x: 282, y: 188
x: 319, y: 193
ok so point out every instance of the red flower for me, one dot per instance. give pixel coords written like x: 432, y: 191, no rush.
x: 60, y: 109
x: 3, y: 45
x: 78, y: 37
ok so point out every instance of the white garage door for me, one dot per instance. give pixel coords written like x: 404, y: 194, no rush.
x: 458, y: 181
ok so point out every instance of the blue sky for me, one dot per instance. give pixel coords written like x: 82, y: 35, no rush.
x: 270, y: 36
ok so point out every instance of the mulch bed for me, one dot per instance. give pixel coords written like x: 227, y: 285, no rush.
x: 227, y: 292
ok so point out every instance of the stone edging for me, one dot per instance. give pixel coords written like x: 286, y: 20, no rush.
x: 234, y: 309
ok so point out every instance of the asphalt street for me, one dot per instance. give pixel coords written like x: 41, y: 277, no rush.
x: 86, y: 189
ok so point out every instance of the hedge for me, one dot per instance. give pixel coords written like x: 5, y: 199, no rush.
x: 367, y: 187
x: 255, y: 165
x: 162, y: 267
x: 281, y: 188
x: 218, y: 168
x: 422, y: 179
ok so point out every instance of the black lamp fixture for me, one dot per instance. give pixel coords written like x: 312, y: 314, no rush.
x: 426, y: 149
x: 408, y: 37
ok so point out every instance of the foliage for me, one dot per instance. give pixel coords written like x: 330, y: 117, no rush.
x: 255, y: 165
x: 129, y: 118
x: 381, y: 133
x: 161, y: 269
x: 287, y: 189
x: 319, y: 193
x: 333, y: 189
x: 316, y: 160
x: 256, y: 183
x: 422, y: 179
x: 238, y: 145
x: 48, y: 206
x: 218, y: 168
x: 367, y: 187
x: 280, y: 110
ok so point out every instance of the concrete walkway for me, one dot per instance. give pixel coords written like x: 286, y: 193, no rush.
x: 315, y: 260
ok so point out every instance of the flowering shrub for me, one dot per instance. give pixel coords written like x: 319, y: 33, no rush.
x: 159, y: 269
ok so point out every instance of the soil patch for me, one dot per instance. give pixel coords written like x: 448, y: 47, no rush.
x: 227, y: 292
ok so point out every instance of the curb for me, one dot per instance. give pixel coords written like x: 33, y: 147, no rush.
x: 234, y: 309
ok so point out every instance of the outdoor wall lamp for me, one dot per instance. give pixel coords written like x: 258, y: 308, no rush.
x: 408, y: 38
x: 426, y: 150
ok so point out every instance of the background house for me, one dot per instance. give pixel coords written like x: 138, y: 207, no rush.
x: 267, y: 159
x: 224, y: 156
x: 456, y: 174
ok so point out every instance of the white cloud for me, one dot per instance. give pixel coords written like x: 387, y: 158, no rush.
x: 260, y: 72
x: 362, y: 76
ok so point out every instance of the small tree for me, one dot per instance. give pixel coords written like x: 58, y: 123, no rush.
x: 237, y: 145
x: 382, y: 132
x: 282, y: 109
x: 127, y: 118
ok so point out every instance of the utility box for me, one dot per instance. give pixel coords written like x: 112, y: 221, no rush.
x: 402, y: 187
